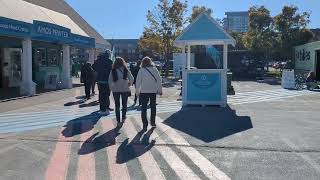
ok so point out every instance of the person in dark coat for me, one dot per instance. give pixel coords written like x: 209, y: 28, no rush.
x: 103, y: 66
x: 135, y: 72
x: 87, y: 78
x: 93, y: 88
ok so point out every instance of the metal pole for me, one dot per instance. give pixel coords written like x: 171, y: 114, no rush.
x: 189, y: 57
x: 225, y: 56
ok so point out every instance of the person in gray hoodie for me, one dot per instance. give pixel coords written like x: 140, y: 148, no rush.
x: 120, y: 80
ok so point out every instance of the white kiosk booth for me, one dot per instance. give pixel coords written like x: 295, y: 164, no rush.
x: 204, y: 86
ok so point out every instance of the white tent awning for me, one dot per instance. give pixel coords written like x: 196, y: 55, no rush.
x: 27, y: 12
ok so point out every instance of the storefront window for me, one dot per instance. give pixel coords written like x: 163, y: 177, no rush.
x: 40, y: 57
x: 53, y: 57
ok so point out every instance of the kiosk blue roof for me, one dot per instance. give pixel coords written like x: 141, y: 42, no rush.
x: 204, y: 30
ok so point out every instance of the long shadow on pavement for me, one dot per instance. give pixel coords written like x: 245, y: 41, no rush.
x: 95, y: 143
x: 90, y: 104
x: 210, y: 123
x: 137, y: 147
x: 81, y: 125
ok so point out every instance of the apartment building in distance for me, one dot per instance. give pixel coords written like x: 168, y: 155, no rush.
x: 237, y: 21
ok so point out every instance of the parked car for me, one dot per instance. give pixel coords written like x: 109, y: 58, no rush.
x: 169, y: 64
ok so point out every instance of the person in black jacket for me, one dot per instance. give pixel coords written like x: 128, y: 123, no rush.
x: 135, y: 71
x: 103, y: 66
x: 87, y: 78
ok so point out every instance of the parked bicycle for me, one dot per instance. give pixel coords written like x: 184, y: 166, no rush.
x: 300, y: 82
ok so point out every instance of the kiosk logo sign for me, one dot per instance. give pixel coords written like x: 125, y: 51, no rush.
x: 203, y: 82
x: 204, y: 87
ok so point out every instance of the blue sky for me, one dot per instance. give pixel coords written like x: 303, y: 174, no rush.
x: 127, y: 18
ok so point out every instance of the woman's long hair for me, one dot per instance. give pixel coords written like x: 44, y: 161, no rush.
x: 146, y: 62
x: 118, y: 63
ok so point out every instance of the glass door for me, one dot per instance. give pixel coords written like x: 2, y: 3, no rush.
x: 16, y: 74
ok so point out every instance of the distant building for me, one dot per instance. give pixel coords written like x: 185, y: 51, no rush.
x: 126, y: 48
x: 236, y: 21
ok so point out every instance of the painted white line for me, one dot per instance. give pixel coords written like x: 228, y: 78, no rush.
x: 262, y: 100
x: 148, y: 163
x: 86, y: 163
x: 258, y: 96
x: 211, y: 171
x: 117, y: 171
x: 174, y: 161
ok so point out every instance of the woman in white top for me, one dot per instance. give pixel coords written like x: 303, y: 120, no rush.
x: 120, y: 79
x: 148, y: 85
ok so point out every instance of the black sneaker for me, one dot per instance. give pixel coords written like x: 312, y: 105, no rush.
x: 145, y: 127
x: 153, y: 125
x: 110, y: 109
x: 119, y: 125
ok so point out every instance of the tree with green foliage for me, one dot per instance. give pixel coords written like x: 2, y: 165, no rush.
x: 197, y: 10
x: 291, y: 28
x: 239, y: 40
x: 260, y: 38
x: 166, y: 22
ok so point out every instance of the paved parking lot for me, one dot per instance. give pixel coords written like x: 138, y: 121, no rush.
x: 265, y: 133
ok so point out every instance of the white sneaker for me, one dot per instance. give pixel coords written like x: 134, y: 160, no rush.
x: 104, y: 113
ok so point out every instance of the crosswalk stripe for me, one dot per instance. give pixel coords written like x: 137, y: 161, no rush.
x: 86, y: 163
x: 262, y: 99
x: 58, y: 165
x: 117, y: 171
x: 271, y: 95
x: 174, y: 161
x: 31, y: 122
x: 19, y: 122
x: 211, y: 171
x: 148, y: 164
x: 259, y: 92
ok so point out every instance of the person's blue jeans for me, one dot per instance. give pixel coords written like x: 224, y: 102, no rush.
x: 104, y: 94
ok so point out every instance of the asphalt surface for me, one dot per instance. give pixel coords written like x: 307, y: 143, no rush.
x: 265, y: 133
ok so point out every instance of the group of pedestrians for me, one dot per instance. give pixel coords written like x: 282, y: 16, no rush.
x: 116, y: 77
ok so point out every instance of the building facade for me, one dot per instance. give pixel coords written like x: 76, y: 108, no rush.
x: 236, y: 21
x: 36, y: 44
x: 307, y: 58
x: 126, y: 48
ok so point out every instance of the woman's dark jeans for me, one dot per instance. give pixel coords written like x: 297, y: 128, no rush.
x: 124, y: 99
x: 145, y: 97
x: 104, y: 93
x: 87, y: 87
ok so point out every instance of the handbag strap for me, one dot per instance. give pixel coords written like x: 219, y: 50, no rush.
x: 155, y: 79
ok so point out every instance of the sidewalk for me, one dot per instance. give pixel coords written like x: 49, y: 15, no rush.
x: 44, y: 97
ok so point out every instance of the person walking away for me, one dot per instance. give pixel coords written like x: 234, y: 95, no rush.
x: 87, y: 78
x: 93, y: 88
x: 103, y: 67
x: 148, y: 85
x: 120, y: 80
x: 135, y: 72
